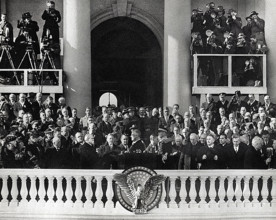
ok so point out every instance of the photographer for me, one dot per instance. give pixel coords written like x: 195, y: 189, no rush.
x: 6, y: 31
x: 52, y: 17
x: 234, y: 23
x: 27, y: 24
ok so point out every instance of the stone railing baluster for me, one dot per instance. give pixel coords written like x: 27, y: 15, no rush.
x: 14, y: 191
x: 202, y: 192
x: 99, y: 193
x: 222, y: 192
x: 88, y: 192
x: 69, y: 191
x: 59, y: 191
x: 41, y: 191
x: 255, y: 192
x: 238, y: 191
x: 33, y: 190
x: 192, y: 192
x: 23, y: 190
x: 78, y: 192
x: 230, y: 192
x: 4, y: 191
x: 246, y: 192
x: 183, y: 192
x: 212, y: 192
x: 172, y: 192
x: 264, y: 192
x: 109, y: 193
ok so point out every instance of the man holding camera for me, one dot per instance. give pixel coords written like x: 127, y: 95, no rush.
x: 52, y: 17
x: 30, y: 26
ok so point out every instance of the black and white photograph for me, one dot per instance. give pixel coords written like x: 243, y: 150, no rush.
x: 137, y: 109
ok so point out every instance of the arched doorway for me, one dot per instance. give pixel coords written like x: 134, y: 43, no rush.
x: 126, y: 61
x: 108, y: 99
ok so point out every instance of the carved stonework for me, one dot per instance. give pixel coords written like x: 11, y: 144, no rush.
x: 122, y: 8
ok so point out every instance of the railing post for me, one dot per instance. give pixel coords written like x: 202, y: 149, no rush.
x: 195, y: 69
x: 69, y: 192
x: 25, y: 77
x: 246, y: 192
x: 109, y: 205
x: 59, y: 191
x: 14, y: 191
x: 23, y: 191
x: 163, y: 203
x: 41, y: 191
x: 99, y: 193
x: 33, y: 191
x: 230, y: 191
x: 255, y: 192
x: 238, y: 191
x: 192, y: 192
x: 4, y: 191
x: 212, y: 192
x: 50, y: 191
x: 265, y: 192
x: 172, y: 193
x: 230, y: 78
x: 273, y: 191
x: 183, y: 193
x: 88, y: 192
x: 202, y: 192
x: 221, y: 192
x: 78, y: 192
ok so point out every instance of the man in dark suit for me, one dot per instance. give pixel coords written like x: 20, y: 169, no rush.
x: 137, y: 146
x: 270, y: 108
x: 165, y: 120
x: 254, y: 157
x: 22, y: 104
x: 222, y: 103
x: 210, y: 104
x: 235, y: 154
x: 253, y: 104
x: 104, y: 126
x: 85, y: 155
x: 109, y: 152
x: 193, y: 146
x: 210, y: 156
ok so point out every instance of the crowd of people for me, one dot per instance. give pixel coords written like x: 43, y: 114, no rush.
x: 25, y: 50
x: 235, y: 134
x: 215, y: 33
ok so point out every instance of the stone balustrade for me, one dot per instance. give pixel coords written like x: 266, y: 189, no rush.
x: 65, y: 194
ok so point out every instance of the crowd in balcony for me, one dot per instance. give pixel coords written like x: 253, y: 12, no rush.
x: 235, y: 134
x: 214, y: 32
x: 24, y: 52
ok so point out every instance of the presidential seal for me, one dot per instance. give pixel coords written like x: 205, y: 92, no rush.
x: 138, y: 189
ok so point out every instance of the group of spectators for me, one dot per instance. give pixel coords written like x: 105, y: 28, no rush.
x: 235, y: 134
x: 215, y: 33
x: 27, y: 40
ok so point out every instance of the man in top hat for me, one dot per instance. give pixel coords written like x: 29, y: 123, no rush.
x: 234, y: 22
x: 52, y: 17
x: 6, y: 31
x: 31, y: 27
x: 257, y: 27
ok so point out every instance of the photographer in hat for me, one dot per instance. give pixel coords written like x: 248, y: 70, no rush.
x: 234, y: 22
x: 257, y: 27
x: 52, y: 17
x: 6, y: 31
x: 26, y: 23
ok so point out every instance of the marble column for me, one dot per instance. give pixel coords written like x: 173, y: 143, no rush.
x: 77, y: 53
x: 270, y: 33
x: 177, y: 38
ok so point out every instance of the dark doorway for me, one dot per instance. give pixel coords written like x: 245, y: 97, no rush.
x: 126, y: 61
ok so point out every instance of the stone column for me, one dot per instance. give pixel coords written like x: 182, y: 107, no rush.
x: 177, y: 35
x: 77, y: 54
x: 270, y: 33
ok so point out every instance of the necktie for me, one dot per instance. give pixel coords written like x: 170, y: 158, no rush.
x: 236, y: 149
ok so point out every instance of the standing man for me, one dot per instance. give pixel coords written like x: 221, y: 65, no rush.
x: 6, y: 31
x: 52, y: 17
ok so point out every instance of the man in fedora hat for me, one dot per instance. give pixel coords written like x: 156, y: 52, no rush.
x: 257, y: 27
x: 220, y: 15
x: 26, y: 23
x: 234, y: 22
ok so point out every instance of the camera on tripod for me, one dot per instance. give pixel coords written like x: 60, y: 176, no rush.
x: 49, y: 46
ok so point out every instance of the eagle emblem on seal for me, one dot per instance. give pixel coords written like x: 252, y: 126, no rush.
x: 139, y: 189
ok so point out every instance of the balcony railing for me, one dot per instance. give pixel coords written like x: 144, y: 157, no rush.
x: 33, y: 80
x: 216, y: 73
x: 186, y: 194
